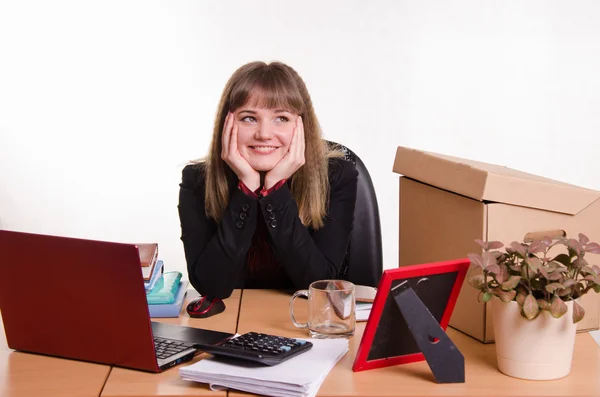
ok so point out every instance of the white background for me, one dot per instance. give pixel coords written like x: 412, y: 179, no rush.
x: 103, y: 103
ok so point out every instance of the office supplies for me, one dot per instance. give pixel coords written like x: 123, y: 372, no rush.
x: 148, y: 257
x: 148, y: 254
x: 409, y: 318
x: 261, y: 348
x: 165, y: 290
x: 363, y: 309
x: 203, y: 307
x: 105, y: 321
x: 302, y: 375
x: 156, y: 273
x: 170, y: 309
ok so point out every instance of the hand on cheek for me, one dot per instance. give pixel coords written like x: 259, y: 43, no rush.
x: 231, y: 155
x: 293, y: 159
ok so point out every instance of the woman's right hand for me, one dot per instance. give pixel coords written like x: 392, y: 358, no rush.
x: 231, y: 155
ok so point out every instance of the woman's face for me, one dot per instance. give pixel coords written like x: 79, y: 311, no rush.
x: 264, y: 135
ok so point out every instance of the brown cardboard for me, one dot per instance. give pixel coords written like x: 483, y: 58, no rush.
x: 448, y: 202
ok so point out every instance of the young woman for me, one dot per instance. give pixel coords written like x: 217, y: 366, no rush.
x: 272, y: 205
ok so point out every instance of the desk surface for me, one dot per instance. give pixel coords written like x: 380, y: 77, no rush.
x: 130, y: 383
x: 267, y: 311
x: 26, y: 375
x: 23, y: 374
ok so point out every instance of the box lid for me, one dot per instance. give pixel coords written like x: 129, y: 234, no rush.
x: 488, y: 182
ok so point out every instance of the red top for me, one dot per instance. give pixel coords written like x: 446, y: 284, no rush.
x: 263, y: 269
x: 260, y: 192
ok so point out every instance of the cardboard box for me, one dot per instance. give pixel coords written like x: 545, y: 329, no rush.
x: 447, y: 202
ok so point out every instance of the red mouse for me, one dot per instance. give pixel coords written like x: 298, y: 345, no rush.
x: 203, y: 307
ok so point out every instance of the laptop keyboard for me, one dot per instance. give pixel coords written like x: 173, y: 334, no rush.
x: 166, y: 348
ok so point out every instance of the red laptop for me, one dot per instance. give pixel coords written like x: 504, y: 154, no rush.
x: 85, y: 300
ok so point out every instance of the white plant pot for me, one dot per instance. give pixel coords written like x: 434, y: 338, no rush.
x: 539, y: 349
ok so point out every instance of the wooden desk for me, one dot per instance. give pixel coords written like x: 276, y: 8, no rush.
x: 267, y: 311
x: 125, y: 382
x: 26, y: 375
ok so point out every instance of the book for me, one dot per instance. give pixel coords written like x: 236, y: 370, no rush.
x: 300, y: 376
x: 157, y: 271
x: 165, y: 290
x: 173, y: 309
x: 148, y: 257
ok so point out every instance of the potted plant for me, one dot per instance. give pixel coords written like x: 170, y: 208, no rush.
x: 533, y: 287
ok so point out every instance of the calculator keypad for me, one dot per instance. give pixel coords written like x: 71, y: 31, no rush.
x: 263, y: 348
x: 265, y: 344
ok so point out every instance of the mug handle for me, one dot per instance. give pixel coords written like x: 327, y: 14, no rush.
x: 302, y: 292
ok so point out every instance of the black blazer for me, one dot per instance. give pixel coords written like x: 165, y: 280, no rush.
x: 216, y: 252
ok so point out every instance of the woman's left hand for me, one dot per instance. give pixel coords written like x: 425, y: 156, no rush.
x: 293, y: 159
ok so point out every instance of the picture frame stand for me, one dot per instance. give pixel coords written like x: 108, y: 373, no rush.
x: 443, y: 357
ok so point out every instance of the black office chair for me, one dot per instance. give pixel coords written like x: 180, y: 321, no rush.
x: 363, y: 263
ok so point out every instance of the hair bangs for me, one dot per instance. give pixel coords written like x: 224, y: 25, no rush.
x: 268, y: 88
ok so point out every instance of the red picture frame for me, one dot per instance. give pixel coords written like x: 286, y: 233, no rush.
x: 459, y: 266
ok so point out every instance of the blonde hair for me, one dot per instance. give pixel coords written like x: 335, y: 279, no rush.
x: 273, y: 85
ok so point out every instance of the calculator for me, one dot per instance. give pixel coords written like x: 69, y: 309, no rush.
x: 261, y: 348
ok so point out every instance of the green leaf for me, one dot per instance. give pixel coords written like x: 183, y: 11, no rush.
x: 587, y: 270
x: 494, y: 245
x: 493, y: 268
x: 520, y: 298
x: 476, y: 259
x: 514, y: 267
x: 578, y: 312
x: 530, y: 307
x: 519, y: 248
x: 489, y: 245
x: 543, y: 304
x: 574, y: 245
x: 553, y: 287
x: 579, y: 263
x: 511, y: 283
x: 482, y: 244
x: 536, y: 246
x: 489, y: 258
x: 503, y: 275
x: 526, y: 273
x: 534, y: 263
x: 596, y: 288
x: 593, y: 248
x: 476, y: 281
x: 568, y: 283
x: 554, y: 276
x: 557, y: 307
x: 565, y: 291
x: 563, y: 259
x: 487, y: 296
x: 505, y: 296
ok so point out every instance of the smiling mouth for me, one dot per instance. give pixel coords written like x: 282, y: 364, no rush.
x: 264, y: 149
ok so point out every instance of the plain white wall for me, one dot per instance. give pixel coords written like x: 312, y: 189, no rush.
x: 102, y: 103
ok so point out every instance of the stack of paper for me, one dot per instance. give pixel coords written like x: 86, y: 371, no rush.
x: 301, y: 375
x: 363, y: 310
